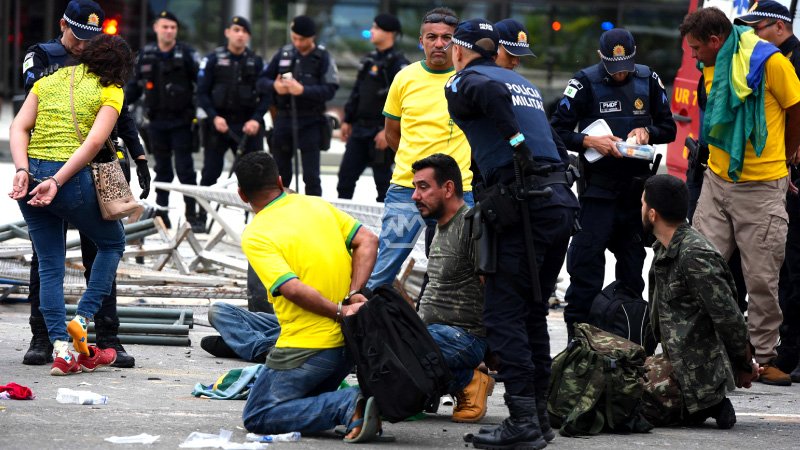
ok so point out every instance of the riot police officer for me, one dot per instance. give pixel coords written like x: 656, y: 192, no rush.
x: 166, y: 73
x: 301, y: 77
x: 82, y: 20
x: 503, y: 117
x: 631, y: 99
x: 362, y: 127
x: 227, y: 92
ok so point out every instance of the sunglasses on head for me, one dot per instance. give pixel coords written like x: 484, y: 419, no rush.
x: 439, y: 18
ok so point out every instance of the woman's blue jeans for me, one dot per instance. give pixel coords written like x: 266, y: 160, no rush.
x: 75, y: 203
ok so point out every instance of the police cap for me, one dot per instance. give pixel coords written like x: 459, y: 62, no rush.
x: 387, y: 22
x: 304, y: 26
x: 241, y: 21
x: 766, y: 9
x: 167, y: 15
x: 513, y: 37
x: 617, y: 49
x: 85, y: 18
x: 477, y: 35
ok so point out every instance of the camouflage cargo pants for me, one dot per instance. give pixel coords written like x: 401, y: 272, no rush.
x: 662, y: 404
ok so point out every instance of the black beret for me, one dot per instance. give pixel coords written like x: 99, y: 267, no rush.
x: 304, y: 26
x: 167, y: 15
x: 387, y: 22
x: 242, y: 22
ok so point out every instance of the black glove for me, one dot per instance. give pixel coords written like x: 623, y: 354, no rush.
x: 143, y: 173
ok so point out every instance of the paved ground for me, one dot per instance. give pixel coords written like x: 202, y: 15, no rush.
x: 155, y: 398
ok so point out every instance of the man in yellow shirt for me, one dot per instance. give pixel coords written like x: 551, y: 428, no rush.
x: 300, y: 247
x: 418, y: 125
x: 750, y: 212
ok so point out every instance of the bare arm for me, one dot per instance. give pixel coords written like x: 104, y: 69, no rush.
x: 19, y: 138
x: 313, y: 301
x: 392, y: 129
x: 365, y: 252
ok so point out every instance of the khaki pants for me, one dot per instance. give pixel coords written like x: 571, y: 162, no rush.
x: 751, y: 216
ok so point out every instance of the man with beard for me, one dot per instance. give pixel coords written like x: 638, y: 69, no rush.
x: 694, y: 315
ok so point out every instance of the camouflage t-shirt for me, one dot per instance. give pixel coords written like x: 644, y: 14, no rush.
x: 454, y: 295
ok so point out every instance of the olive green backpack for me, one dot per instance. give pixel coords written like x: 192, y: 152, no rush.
x: 597, y: 384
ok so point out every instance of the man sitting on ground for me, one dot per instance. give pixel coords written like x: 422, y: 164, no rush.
x: 300, y: 247
x: 452, y: 304
x: 694, y: 315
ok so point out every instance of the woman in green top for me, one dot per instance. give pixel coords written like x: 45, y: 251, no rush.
x: 53, y: 186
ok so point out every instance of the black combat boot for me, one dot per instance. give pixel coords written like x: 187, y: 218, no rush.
x: 107, y: 329
x: 541, y: 412
x: 40, y: 351
x: 197, y: 222
x: 519, y: 431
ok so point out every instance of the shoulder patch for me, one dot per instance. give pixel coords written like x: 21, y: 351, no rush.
x: 657, y: 78
x: 577, y: 84
x: 570, y: 91
x: 28, y: 62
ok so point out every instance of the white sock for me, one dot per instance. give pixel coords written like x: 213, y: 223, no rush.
x: 61, y: 350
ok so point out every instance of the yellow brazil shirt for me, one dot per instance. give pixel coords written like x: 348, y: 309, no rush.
x: 307, y: 238
x: 781, y: 91
x: 54, y: 137
x: 416, y: 99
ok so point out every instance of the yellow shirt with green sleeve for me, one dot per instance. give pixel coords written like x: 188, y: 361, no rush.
x: 416, y: 99
x: 307, y: 238
x: 54, y: 137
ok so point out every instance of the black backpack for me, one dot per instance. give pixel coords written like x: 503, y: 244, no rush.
x: 619, y: 310
x: 397, y: 360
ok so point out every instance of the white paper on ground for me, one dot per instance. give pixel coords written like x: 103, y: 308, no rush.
x: 221, y: 440
x: 143, y: 438
x: 597, y: 128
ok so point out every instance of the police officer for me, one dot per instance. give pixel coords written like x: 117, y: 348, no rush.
x: 227, y: 92
x: 82, y: 20
x: 362, y: 128
x: 301, y: 77
x: 631, y: 99
x: 166, y: 73
x: 504, y: 119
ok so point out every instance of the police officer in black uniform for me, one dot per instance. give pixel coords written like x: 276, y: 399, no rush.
x: 82, y: 20
x: 773, y: 22
x: 632, y: 100
x: 166, y: 73
x: 503, y: 117
x: 227, y: 92
x: 362, y: 128
x: 301, y: 77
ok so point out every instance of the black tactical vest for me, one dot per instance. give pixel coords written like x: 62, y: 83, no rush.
x: 308, y: 71
x: 235, y: 81
x: 168, y: 86
x: 374, y: 85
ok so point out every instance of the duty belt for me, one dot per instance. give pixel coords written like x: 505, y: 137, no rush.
x: 541, y: 181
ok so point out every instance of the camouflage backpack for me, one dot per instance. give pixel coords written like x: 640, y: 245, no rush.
x: 597, y: 384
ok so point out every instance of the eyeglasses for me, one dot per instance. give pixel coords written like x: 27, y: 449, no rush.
x: 439, y: 18
x: 757, y: 29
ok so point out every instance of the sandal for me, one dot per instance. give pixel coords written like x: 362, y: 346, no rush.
x: 369, y: 423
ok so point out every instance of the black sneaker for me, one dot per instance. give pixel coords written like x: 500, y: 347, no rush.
x: 217, y: 347
x: 124, y: 360
x: 725, y: 416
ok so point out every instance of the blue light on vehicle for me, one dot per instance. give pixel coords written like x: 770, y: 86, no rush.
x: 365, y: 34
x: 606, y: 25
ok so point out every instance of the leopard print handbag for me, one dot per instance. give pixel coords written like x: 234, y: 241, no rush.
x: 114, y: 195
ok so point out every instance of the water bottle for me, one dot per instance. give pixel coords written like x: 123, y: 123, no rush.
x: 69, y: 396
x: 646, y: 152
x: 294, y: 436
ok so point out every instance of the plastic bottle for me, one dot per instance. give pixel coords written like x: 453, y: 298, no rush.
x: 69, y: 396
x: 647, y: 152
x: 294, y: 436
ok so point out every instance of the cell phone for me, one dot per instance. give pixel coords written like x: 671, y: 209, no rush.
x: 286, y: 76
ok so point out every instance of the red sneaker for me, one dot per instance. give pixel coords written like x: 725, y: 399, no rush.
x: 98, y: 357
x: 65, y: 366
